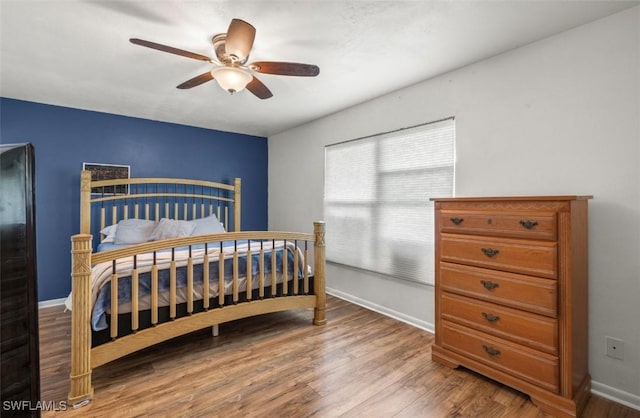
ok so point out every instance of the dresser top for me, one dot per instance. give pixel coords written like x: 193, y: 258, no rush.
x: 511, y: 198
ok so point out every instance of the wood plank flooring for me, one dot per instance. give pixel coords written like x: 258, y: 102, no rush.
x: 361, y: 364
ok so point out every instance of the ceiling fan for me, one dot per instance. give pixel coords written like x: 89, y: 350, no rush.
x: 232, y: 52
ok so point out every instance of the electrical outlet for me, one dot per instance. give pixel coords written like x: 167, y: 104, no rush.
x: 615, y: 348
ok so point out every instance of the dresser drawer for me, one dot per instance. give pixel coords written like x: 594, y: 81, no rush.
x: 524, y: 363
x: 537, y: 258
x: 532, y: 294
x: 535, y: 331
x: 528, y: 225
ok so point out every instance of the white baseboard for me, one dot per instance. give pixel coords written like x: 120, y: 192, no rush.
x: 50, y: 303
x: 423, y: 325
x: 597, y: 388
x: 616, y: 395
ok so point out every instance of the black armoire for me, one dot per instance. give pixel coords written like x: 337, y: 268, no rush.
x: 19, y: 357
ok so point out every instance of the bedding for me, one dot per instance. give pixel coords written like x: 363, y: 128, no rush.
x: 101, y: 274
x: 137, y: 231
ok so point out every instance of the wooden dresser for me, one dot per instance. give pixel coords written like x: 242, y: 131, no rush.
x: 511, y: 294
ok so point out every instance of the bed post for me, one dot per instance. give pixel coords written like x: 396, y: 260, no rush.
x: 85, y: 202
x: 318, y: 271
x: 236, y: 205
x: 80, y: 375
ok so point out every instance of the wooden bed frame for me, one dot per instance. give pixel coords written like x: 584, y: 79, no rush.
x: 155, y: 198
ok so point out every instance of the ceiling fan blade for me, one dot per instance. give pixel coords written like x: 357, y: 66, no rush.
x: 259, y: 89
x: 285, y: 68
x: 170, y: 49
x: 240, y: 37
x: 196, y: 81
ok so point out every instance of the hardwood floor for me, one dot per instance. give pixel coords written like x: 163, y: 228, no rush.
x: 361, y: 364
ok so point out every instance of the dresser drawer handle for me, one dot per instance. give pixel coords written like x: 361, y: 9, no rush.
x: 528, y: 224
x: 491, y: 351
x: 490, y: 317
x: 457, y: 221
x: 489, y: 285
x: 490, y: 252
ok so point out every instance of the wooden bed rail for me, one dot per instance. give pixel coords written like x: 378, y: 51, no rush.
x: 84, y: 358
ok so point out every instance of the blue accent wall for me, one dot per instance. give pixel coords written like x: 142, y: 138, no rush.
x: 64, y: 138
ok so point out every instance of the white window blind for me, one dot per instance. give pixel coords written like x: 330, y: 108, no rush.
x: 376, y: 202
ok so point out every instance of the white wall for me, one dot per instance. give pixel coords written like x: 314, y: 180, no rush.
x: 560, y: 116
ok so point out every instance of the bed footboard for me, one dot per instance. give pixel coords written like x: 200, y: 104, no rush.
x: 84, y: 358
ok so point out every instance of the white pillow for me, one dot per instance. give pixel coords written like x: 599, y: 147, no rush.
x: 110, y: 232
x: 170, y: 228
x: 206, y: 226
x: 134, y: 231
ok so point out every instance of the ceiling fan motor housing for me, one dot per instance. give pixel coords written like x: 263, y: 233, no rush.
x: 219, y: 42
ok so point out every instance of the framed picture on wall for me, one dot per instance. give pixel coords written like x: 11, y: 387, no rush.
x: 100, y: 171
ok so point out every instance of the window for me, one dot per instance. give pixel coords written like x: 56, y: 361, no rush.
x: 376, y: 202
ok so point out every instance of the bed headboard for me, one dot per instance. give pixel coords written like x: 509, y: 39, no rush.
x: 154, y: 198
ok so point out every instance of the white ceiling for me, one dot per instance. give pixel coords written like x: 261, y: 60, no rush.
x: 77, y: 54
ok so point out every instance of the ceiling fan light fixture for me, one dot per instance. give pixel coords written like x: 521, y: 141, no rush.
x: 231, y: 79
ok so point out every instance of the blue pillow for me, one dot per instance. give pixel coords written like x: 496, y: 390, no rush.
x: 110, y: 232
x: 171, y: 228
x: 134, y: 231
x: 206, y: 226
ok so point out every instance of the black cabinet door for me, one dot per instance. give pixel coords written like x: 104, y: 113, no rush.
x: 19, y: 359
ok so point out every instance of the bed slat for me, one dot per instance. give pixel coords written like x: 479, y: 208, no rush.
x: 235, y: 275
x: 134, y: 300
x: 154, y: 293
x: 261, y: 272
x: 249, y: 273
x: 296, y: 265
x: 205, y: 280
x: 103, y: 221
x: 305, y: 273
x: 190, y: 284
x: 114, y: 305
x: 285, y: 272
x: 172, y: 290
x: 221, y: 278
x: 273, y: 270
x: 114, y: 215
